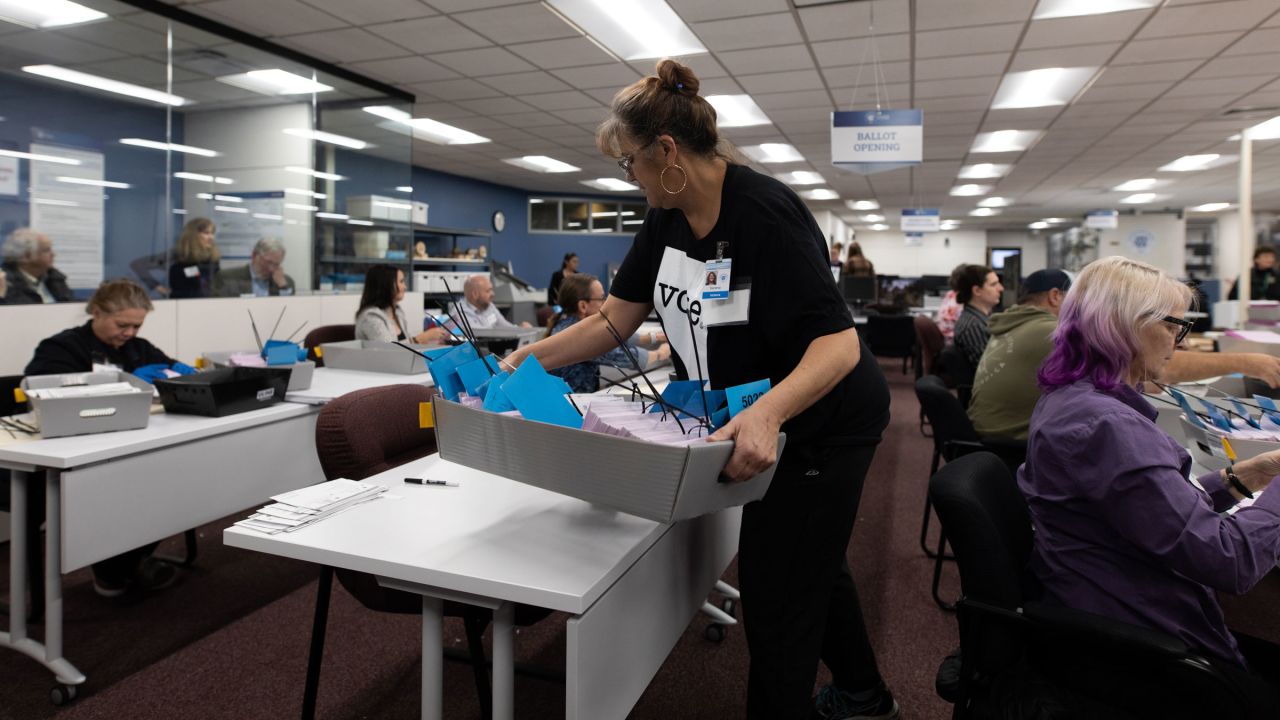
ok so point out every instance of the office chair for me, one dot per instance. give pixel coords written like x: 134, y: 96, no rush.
x: 892, y: 336
x: 326, y: 334
x: 358, y: 435
x: 954, y: 436
x: 1019, y: 658
x: 956, y: 370
x: 929, y: 342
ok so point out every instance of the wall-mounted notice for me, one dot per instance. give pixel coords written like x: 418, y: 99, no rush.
x: 913, y: 239
x: 263, y: 216
x: 1102, y: 219
x: 921, y: 220
x: 872, y: 141
x: 8, y: 176
x: 70, y: 213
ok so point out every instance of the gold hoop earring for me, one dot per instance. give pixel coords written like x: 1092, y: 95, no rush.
x: 662, y: 179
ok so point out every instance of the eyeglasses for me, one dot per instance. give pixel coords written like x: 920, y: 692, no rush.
x: 626, y: 161
x: 594, y: 299
x: 1184, y: 327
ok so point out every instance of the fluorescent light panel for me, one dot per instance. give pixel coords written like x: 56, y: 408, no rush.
x: 315, y: 173
x: 200, y: 177
x: 1269, y: 130
x: 305, y: 193
x: 970, y: 190
x: 231, y: 209
x: 984, y: 212
x: 862, y: 204
x: 872, y: 218
x: 1136, y: 185
x: 1193, y: 163
x: 635, y: 30
x: 802, y: 177
x: 268, y: 216
x: 430, y: 130
x: 274, y: 82
x: 611, y: 184
x: 75, y: 77
x: 983, y: 171
x: 1045, y: 87
x: 1139, y: 198
x: 175, y: 147
x: 773, y: 153
x: 404, y: 188
x: 228, y: 198
x: 542, y: 164
x: 333, y: 216
x: 1050, y: 9
x: 1038, y: 225
x: 820, y: 194
x: 999, y: 141
x: 737, y: 111
x: 1210, y: 207
x: 296, y: 206
x: 358, y: 222
x: 39, y: 157
x: 46, y: 13
x: 880, y: 226
x: 72, y: 180
x: 327, y: 137
x: 995, y: 202
x: 56, y: 203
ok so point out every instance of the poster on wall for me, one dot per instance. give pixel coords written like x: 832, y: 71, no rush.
x: 8, y: 176
x: 1141, y: 241
x: 242, y: 224
x: 70, y: 212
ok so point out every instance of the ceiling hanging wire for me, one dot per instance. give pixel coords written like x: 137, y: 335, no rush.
x: 878, y: 83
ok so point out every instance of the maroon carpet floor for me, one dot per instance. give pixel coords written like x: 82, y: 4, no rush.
x: 230, y: 641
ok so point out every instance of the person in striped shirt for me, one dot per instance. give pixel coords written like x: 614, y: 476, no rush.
x: 978, y: 289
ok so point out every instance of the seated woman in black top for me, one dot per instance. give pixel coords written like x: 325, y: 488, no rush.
x: 195, y: 260
x: 119, y: 308
x: 568, y: 267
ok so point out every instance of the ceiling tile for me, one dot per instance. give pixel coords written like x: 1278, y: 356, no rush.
x: 404, y: 70
x: 1066, y: 32
x: 1145, y: 73
x: 482, y: 61
x: 368, y: 13
x: 1258, y: 41
x: 116, y: 35
x: 530, y: 119
x: 1082, y: 56
x: 782, y: 81
x: 345, y: 45
x: 963, y: 41
x: 847, y: 76
x: 517, y: 24
x: 945, y: 14
x: 582, y: 115
x: 747, y: 32
x: 777, y: 59
x: 30, y: 46
x: 1220, y: 86
x: 613, y: 77
x: 451, y: 90
x: 958, y: 87
x: 1196, y: 19
x: 692, y: 11
x: 553, y: 54
x: 961, y: 66
x: 453, y: 6
x: 429, y: 35
x: 853, y: 19
x: 569, y: 100
x: 495, y: 106
x: 278, y: 17
x: 1108, y: 93
x: 834, y: 53
x: 525, y: 83
x: 1191, y: 47
x: 804, y: 101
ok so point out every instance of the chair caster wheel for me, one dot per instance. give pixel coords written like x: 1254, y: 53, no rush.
x: 729, y: 607
x: 62, y: 694
x: 714, y: 632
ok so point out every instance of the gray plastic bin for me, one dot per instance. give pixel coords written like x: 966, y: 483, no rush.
x: 371, y: 356
x: 60, y: 417
x: 299, y: 379
x: 653, y: 481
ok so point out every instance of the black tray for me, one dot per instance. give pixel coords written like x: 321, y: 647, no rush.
x: 225, y: 391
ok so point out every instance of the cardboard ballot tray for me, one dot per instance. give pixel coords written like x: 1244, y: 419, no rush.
x: 60, y: 417
x: 1206, y: 448
x: 372, y: 356
x: 653, y: 481
x: 299, y: 379
x: 225, y: 391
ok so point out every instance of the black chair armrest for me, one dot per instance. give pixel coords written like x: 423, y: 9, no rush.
x: 1089, y: 628
x: 953, y: 449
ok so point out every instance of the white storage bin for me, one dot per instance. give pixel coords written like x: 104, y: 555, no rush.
x: 60, y: 417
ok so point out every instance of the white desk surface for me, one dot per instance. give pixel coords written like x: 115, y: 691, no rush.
x: 490, y: 537
x: 163, y: 430
x: 330, y: 383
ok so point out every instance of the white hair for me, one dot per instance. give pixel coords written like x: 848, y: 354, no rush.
x: 268, y: 245
x: 21, y: 243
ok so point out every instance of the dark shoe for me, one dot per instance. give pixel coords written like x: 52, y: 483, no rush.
x: 109, y: 588
x: 832, y: 703
x: 154, y: 574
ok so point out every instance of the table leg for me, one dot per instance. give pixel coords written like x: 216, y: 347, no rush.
x: 64, y: 671
x: 432, y: 658
x: 504, y: 663
x: 18, y: 556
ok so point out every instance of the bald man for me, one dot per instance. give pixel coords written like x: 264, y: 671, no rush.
x: 478, y: 305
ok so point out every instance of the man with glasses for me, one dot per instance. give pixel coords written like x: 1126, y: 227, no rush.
x: 581, y: 296
x: 1004, y: 388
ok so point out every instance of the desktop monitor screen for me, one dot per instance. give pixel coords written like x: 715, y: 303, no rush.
x: 999, y: 255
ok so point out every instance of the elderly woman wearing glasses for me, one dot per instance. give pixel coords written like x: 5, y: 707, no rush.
x: 1120, y: 529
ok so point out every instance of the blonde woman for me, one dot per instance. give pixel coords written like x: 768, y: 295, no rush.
x: 195, y: 260
x: 1119, y: 529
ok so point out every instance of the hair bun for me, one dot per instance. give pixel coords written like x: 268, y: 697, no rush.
x: 677, y: 78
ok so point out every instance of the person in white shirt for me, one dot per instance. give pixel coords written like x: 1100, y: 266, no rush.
x: 477, y: 304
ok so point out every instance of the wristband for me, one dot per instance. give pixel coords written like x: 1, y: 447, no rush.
x: 1239, y: 486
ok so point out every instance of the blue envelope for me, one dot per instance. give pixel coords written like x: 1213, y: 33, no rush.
x: 444, y: 370
x: 494, y: 399
x: 475, y: 373
x: 540, y: 396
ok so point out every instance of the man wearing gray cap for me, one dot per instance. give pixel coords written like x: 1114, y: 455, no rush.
x: 1004, y: 386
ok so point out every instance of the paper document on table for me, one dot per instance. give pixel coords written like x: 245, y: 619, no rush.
x: 324, y: 495
x: 78, y: 391
x: 1258, y: 336
x: 297, y: 509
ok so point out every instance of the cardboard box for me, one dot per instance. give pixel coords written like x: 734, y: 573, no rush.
x: 370, y: 243
x: 371, y: 356
x: 60, y: 417
x: 658, y: 482
x: 379, y: 207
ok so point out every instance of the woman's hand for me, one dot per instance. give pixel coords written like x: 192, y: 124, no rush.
x: 755, y: 443
x: 432, y: 336
x: 1257, y: 472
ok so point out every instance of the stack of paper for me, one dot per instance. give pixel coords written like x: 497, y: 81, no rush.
x: 78, y: 391
x: 299, y: 508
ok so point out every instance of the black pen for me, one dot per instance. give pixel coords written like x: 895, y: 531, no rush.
x: 425, y: 481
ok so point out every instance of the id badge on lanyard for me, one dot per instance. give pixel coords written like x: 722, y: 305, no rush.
x: 723, y: 301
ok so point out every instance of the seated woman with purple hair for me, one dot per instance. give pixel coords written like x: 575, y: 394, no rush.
x: 1120, y: 529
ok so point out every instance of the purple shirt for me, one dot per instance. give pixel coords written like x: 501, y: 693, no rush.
x: 1122, y: 532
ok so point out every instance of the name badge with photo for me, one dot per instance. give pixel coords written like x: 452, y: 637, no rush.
x: 717, y: 282
x: 191, y: 271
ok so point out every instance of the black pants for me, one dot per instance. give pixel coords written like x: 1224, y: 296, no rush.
x: 799, y: 602
x: 1261, y: 684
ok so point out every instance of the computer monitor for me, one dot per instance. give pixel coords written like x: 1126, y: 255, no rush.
x: 999, y: 255
x: 859, y: 290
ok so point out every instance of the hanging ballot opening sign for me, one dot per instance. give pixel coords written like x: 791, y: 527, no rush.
x: 871, y: 141
x: 921, y: 220
x: 1102, y: 219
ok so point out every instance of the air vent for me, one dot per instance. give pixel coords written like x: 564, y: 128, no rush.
x: 1245, y: 112
x: 209, y: 62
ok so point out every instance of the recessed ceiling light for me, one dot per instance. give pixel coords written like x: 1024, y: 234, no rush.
x: 949, y: 225
x: 1049, y: 9
x: 1210, y: 207
x: 820, y: 194
x: 1045, y: 87
x: 75, y: 77
x: 327, y: 137
x: 1038, y: 225
x: 175, y: 147
x: 1192, y: 163
x: 872, y: 218
x: 46, y: 13
x: 802, y: 177
x: 773, y: 153
x: 426, y: 128
x: 305, y: 193
x: 39, y: 157
x: 1267, y: 130
x: 737, y: 111
x: 983, y: 171
x: 542, y: 164
x: 315, y: 173
x: 970, y: 190
x: 1137, y: 184
x: 1004, y: 141
x: 56, y: 203
x: 201, y: 177
x: 1139, y: 198
x: 275, y: 82
x: 228, y: 198
x: 611, y: 184
x: 995, y: 202
x: 880, y: 226
x: 862, y: 204
x: 359, y: 222
x: 1056, y: 220
x: 268, y: 216
x: 984, y: 212
x: 72, y: 180
x: 635, y: 30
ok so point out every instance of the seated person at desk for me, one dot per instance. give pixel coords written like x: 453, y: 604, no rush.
x: 568, y: 267
x: 584, y: 294
x: 119, y: 308
x: 477, y: 304
x: 29, y: 271
x: 1120, y: 531
x: 1264, y: 279
x: 1004, y: 388
x: 978, y: 290
x: 264, y: 275
x: 380, y: 316
x: 195, y: 260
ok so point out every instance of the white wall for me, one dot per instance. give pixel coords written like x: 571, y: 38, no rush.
x: 891, y: 255
x: 1226, y: 251
x: 1169, y: 250
x: 254, y: 154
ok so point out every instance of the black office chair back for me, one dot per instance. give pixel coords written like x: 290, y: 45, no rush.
x: 891, y: 335
x: 945, y: 413
x: 955, y: 368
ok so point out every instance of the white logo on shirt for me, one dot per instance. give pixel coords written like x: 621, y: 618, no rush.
x: 680, y: 283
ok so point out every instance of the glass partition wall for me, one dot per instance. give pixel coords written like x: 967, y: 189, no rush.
x: 120, y: 129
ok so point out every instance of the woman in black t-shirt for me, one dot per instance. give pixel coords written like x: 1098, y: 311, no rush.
x: 568, y: 267
x: 785, y: 321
